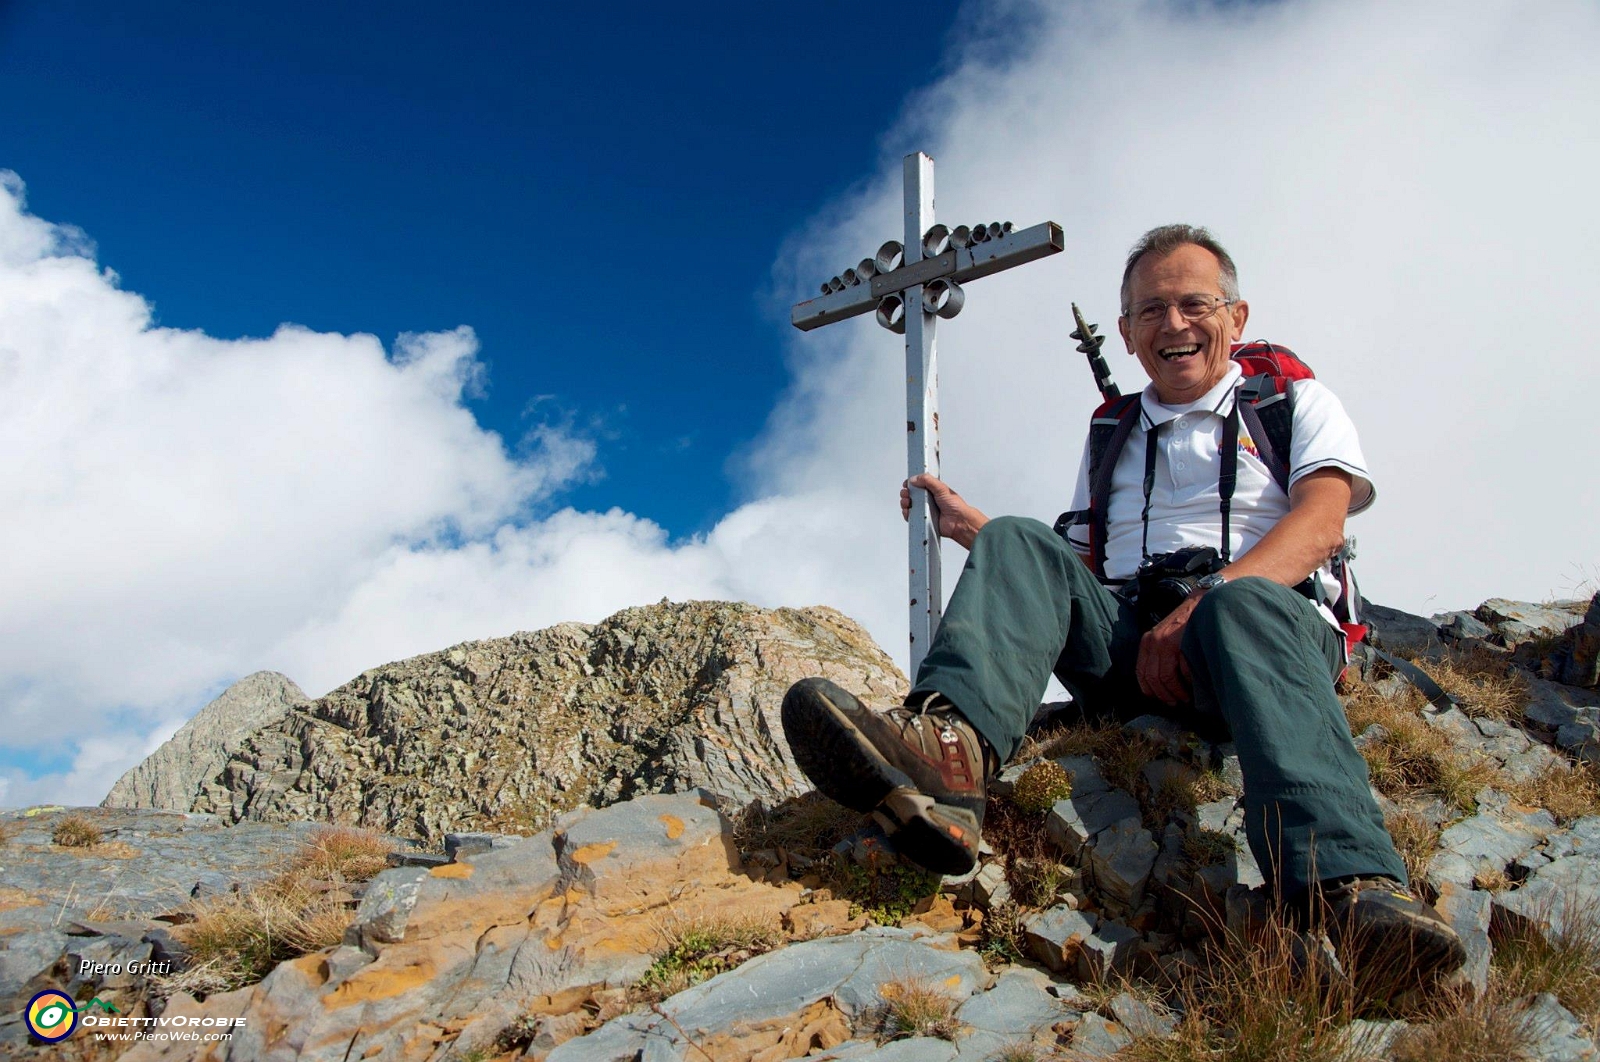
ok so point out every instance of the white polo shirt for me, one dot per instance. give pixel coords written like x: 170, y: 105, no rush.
x: 1185, y: 505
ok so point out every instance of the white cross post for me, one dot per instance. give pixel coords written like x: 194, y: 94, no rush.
x: 910, y: 285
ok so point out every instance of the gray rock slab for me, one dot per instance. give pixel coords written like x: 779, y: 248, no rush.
x: 1580, y: 838
x: 1106, y: 952
x: 1219, y: 816
x: 1121, y: 860
x: 1554, y: 896
x: 772, y: 986
x: 1554, y: 1034
x: 1488, y: 842
x: 149, y: 865
x: 1459, y: 625
x: 1086, y: 776
x: 989, y: 887
x: 1553, y: 705
x: 1527, y: 765
x: 1139, y: 1018
x: 614, y: 838
x: 1097, y: 1037
x: 27, y: 956
x: 1520, y: 621
x: 1400, y: 632
x: 1467, y: 910
x: 1055, y: 936
x: 917, y: 1049
x: 1019, y: 1003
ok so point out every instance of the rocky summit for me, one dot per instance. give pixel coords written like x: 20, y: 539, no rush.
x: 505, y: 734
x: 1113, y: 884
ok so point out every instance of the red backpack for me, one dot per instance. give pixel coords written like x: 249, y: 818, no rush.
x: 1267, y: 411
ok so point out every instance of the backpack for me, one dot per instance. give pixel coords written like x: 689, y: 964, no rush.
x: 1266, y: 407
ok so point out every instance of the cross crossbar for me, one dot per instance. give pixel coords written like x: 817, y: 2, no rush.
x: 958, y: 264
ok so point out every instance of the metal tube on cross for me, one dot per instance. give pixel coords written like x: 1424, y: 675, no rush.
x: 911, y: 285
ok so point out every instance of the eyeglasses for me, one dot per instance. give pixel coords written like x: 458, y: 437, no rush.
x: 1192, y: 307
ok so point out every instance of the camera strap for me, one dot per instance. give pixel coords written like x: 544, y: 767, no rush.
x: 1226, y: 481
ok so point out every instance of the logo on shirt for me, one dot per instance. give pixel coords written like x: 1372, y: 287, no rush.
x: 1248, y: 445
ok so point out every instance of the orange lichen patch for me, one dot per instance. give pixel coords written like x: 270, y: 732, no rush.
x: 565, y: 1001
x: 313, y: 967
x: 674, y: 826
x: 379, y: 982
x: 452, y: 870
x: 816, y: 1028
x: 591, y: 852
x: 953, y: 981
x: 10, y: 899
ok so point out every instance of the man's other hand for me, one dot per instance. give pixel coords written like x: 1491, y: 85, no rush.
x: 957, y: 520
x: 1162, y: 670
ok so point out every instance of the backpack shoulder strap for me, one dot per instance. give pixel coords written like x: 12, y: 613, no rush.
x: 1266, y: 400
x: 1108, y: 433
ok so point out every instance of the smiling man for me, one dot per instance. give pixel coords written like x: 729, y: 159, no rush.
x: 1247, y: 649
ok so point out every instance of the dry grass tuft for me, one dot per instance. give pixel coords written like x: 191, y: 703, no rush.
x: 700, y: 949
x: 1208, y: 848
x: 1484, y: 684
x: 1567, y: 791
x: 914, y: 1007
x: 1568, y: 965
x: 1411, y: 756
x: 1461, y: 1029
x: 1123, y: 762
x: 1491, y: 880
x: 1416, y: 839
x: 807, y: 823
x: 342, y: 854
x: 76, y: 831
x: 1002, y: 940
x: 237, y: 939
x: 1081, y: 739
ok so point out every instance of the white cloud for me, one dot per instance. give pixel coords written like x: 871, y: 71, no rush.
x: 1403, y: 186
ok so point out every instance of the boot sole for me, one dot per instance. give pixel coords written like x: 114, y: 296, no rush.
x: 843, y: 764
x: 1410, y: 945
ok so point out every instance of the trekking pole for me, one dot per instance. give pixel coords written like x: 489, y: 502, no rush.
x: 1090, y: 345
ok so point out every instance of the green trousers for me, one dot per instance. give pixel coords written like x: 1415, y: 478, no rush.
x: 1262, y: 660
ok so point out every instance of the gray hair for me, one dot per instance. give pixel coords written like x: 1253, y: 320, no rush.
x: 1165, y: 239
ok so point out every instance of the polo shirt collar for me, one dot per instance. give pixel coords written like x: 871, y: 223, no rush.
x: 1218, y: 400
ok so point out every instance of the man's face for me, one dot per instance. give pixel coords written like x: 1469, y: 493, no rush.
x: 1184, y: 359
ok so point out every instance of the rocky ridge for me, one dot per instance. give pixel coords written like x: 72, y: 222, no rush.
x: 505, y: 734
x: 527, y: 947
x: 174, y: 776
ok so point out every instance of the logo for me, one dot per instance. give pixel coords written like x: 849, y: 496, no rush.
x: 52, y: 1016
x: 1248, y: 445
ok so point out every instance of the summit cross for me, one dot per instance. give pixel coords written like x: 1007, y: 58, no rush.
x: 911, y: 285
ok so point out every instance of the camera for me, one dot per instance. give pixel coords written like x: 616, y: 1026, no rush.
x: 1165, y: 581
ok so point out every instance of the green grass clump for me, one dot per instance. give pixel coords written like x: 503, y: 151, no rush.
x: 701, y: 949
x: 1041, y: 786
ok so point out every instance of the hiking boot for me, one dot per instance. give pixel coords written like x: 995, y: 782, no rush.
x: 1389, y: 932
x: 919, y: 769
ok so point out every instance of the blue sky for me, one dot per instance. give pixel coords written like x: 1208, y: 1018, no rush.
x: 597, y: 190
x: 331, y: 335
